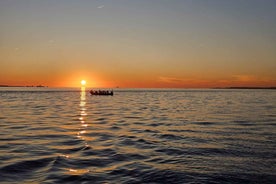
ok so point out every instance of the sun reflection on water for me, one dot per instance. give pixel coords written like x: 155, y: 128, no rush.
x: 77, y: 171
x: 83, y: 113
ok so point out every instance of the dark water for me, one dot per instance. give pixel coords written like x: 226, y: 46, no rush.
x: 145, y: 136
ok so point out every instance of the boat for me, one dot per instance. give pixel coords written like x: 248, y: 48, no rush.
x: 101, y: 92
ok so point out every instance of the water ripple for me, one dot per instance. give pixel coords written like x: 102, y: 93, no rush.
x: 143, y: 136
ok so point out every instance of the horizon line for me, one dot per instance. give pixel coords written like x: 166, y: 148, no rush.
x: 225, y: 87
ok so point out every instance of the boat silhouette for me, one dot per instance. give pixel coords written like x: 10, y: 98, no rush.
x: 101, y: 92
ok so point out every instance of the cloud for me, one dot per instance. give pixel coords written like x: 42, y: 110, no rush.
x: 51, y: 42
x: 170, y: 79
x: 248, y: 80
x: 180, y: 80
x: 190, y: 82
x: 101, y: 6
x: 244, y: 78
x: 234, y: 80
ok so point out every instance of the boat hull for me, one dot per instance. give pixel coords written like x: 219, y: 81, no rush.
x: 101, y: 93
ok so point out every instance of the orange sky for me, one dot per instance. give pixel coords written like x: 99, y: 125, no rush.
x: 170, y: 44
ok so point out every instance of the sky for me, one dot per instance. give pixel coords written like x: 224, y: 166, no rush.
x: 138, y: 43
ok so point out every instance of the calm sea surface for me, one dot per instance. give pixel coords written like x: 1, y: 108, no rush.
x: 137, y: 136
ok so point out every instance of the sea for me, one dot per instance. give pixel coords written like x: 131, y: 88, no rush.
x: 65, y: 135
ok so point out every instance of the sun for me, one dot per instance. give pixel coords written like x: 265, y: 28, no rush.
x: 83, y: 82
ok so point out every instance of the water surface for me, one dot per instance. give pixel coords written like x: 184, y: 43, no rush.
x: 137, y: 136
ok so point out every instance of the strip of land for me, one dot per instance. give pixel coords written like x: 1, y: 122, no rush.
x: 38, y: 86
x: 245, y: 87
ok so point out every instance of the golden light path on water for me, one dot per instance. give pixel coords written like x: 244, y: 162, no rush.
x: 84, y: 125
x: 82, y: 111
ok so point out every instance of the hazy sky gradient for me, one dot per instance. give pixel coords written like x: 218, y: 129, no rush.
x: 138, y: 43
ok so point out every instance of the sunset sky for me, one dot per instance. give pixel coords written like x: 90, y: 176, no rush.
x: 138, y: 43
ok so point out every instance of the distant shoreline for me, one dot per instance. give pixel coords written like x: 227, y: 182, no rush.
x: 38, y: 86
x: 244, y: 88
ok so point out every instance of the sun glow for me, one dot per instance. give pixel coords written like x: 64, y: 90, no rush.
x: 83, y: 82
